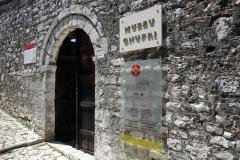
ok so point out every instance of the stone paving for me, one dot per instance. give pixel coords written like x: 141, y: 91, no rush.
x: 19, y: 143
x: 14, y: 135
x: 46, y: 151
x: 39, y: 151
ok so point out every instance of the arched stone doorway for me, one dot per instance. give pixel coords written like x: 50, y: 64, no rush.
x: 75, y: 92
x: 70, y: 19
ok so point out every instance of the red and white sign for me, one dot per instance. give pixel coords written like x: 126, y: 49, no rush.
x: 30, y: 54
x: 136, y: 70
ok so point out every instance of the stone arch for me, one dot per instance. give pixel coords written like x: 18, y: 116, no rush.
x: 69, y: 19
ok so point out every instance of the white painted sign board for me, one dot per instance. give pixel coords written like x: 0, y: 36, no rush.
x: 141, y: 30
x: 30, y: 53
x: 142, y: 95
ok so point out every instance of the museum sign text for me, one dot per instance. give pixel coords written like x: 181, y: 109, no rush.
x: 141, y: 30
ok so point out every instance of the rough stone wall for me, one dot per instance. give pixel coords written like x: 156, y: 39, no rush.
x: 203, y: 111
x: 200, y: 74
x: 21, y: 87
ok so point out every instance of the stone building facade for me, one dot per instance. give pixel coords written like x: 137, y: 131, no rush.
x: 200, y: 72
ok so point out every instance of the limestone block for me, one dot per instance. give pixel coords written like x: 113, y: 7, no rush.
x: 53, y: 24
x: 219, y: 141
x: 66, y: 22
x: 70, y: 151
x: 80, y: 21
x: 238, y: 145
x: 212, y: 128
x: 183, y: 134
x: 178, y: 156
x: 227, y: 84
x: 185, y: 89
x: 198, y: 150
x: 113, y: 48
x: 173, y: 105
x: 61, y: 26
x: 169, y: 117
x: 199, y: 107
x: 51, y: 39
x: 90, y: 15
x: 220, y: 119
x: 48, y: 48
x: 187, y: 45
x: 122, y: 8
x: 40, y: 27
x: 174, y: 77
x: 2, y: 77
x: 136, y: 4
x: 74, y: 20
x: 35, y: 10
x: 49, y: 127
x: 174, y: 144
x: 76, y: 9
x: 227, y: 135
x: 51, y: 68
x: 180, y: 123
x: 70, y: 18
x: 62, y: 36
x: 95, y: 37
x: 99, y: 28
x: 88, y: 27
x: 117, y: 62
x: 223, y: 28
x: 50, y: 79
x: 178, y: 13
x: 224, y: 156
x: 105, y: 45
x: 57, y: 44
x: 43, y: 18
x: 63, y: 14
x: 55, y: 48
x: 56, y: 32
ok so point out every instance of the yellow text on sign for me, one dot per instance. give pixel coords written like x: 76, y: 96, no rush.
x: 141, y: 142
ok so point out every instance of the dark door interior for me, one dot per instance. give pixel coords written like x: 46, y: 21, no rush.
x: 76, y: 50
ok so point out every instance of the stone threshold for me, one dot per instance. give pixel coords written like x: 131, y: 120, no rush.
x: 69, y: 151
x: 24, y: 144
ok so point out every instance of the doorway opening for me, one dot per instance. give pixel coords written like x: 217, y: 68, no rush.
x: 75, y: 92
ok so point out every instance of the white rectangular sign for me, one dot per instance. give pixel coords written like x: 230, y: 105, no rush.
x: 142, y: 89
x: 141, y: 30
x: 30, y: 53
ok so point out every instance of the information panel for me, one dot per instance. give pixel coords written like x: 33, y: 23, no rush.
x: 142, y: 95
x: 30, y: 52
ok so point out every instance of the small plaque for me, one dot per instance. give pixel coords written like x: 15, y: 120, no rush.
x: 142, y: 95
x: 30, y: 53
x: 141, y: 30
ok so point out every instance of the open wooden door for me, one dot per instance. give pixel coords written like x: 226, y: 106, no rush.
x: 65, y: 94
x: 75, y: 91
x: 87, y: 96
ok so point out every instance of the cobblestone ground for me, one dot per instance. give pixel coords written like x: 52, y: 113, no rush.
x: 14, y: 135
x: 39, y: 151
x: 19, y: 143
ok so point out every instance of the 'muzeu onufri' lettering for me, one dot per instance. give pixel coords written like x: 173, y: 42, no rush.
x: 140, y: 24
x: 140, y: 36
